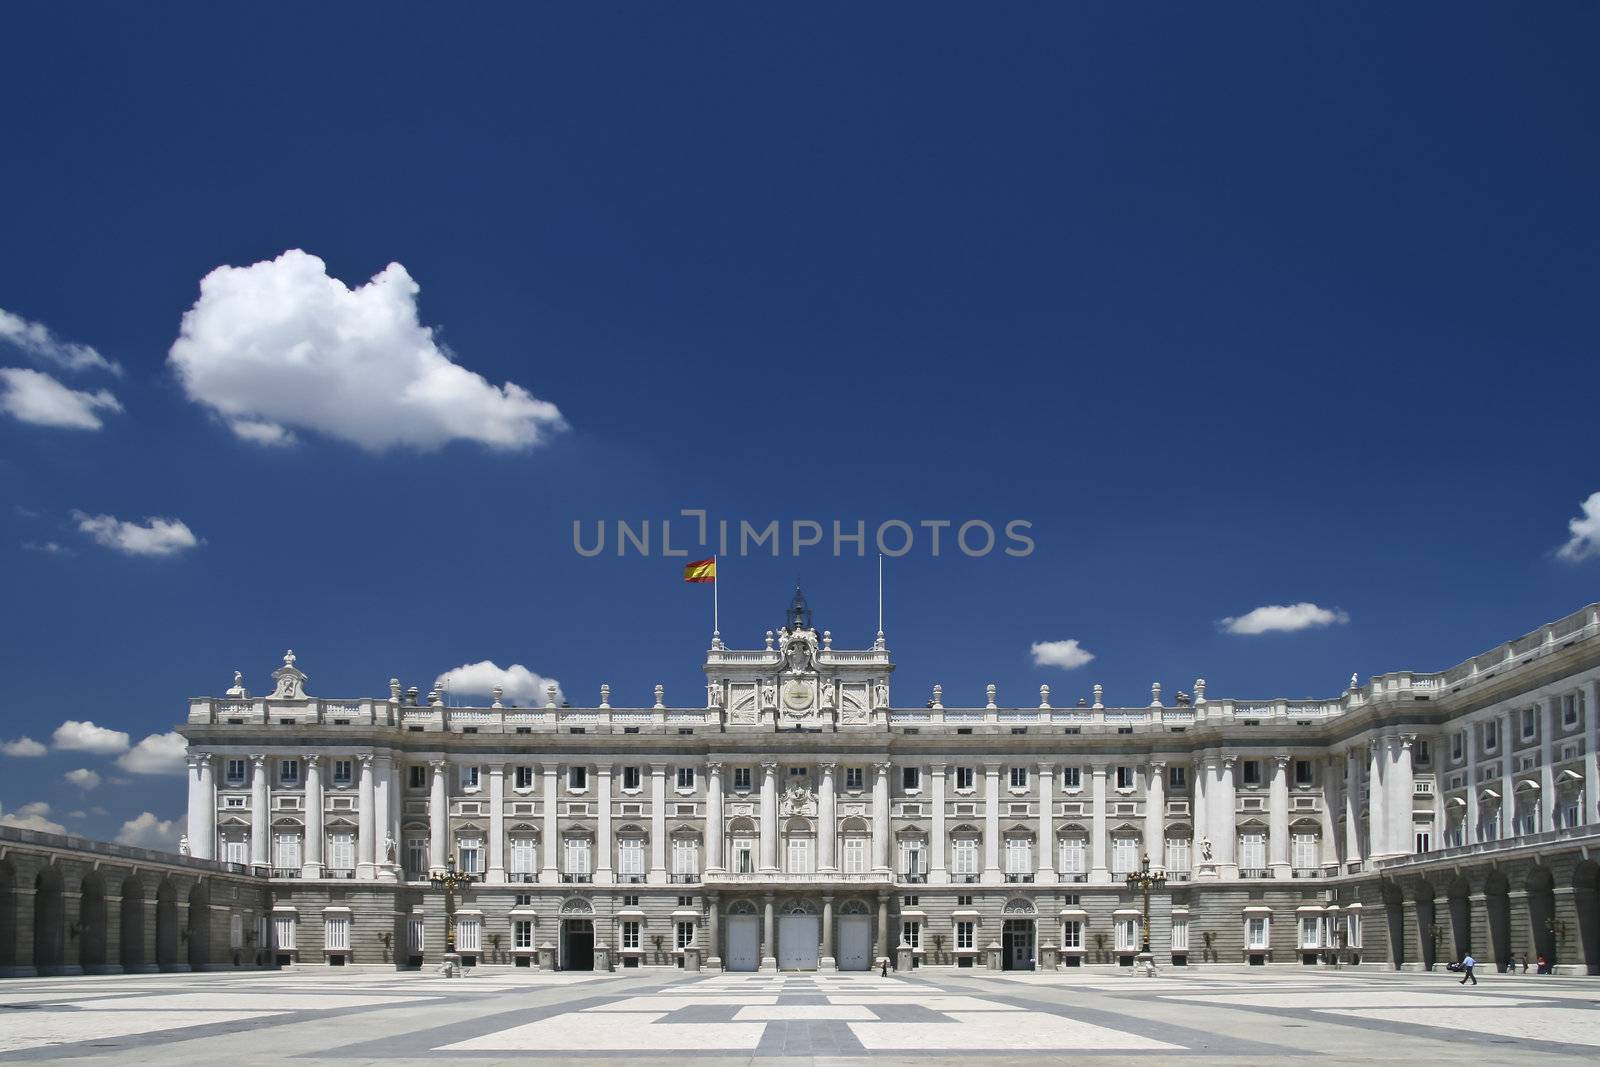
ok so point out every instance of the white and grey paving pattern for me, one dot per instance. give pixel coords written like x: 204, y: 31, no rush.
x: 1229, y: 1015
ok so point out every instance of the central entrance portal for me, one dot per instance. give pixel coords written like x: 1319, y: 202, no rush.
x: 1016, y: 945
x: 797, y: 942
x: 577, y: 944
x: 855, y: 942
x: 743, y: 933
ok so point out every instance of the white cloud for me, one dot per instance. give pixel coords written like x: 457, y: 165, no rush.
x: 520, y: 684
x: 22, y: 746
x: 1064, y: 654
x: 1283, y: 618
x: 83, y: 778
x: 75, y: 736
x: 1585, y: 540
x: 156, y: 754
x: 36, y: 339
x: 32, y: 817
x: 46, y: 548
x: 157, y: 537
x: 147, y: 831
x: 280, y: 344
x: 35, y: 397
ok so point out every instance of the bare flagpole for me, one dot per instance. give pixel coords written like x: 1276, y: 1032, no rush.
x: 880, y: 598
x: 716, y: 609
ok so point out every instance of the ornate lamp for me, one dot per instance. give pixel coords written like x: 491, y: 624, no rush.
x: 1142, y: 881
x: 450, y: 881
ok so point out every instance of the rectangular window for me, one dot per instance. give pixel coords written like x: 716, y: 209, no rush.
x: 1019, y: 855
x: 1124, y: 777
x: 1530, y: 722
x: 469, y: 777
x: 685, y: 778
x: 522, y: 933
x: 236, y: 772
x: 235, y: 850
x: 799, y: 856
x: 630, y: 934
x: 1124, y: 856
x: 341, y: 850
x: 1352, y: 929
x: 289, y: 772
x: 283, y: 932
x: 685, y: 936
x: 964, y: 779
x: 1252, y: 850
x: 577, y: 855
x: 1127, y: 935
x: 911, y: 779
x: 741, y: 779
x: 522, y: 778
x: 1491, y: 735
x: 1177, y: 778
x: 853, y: 777
x: 469, y: 933
x: 286, y: 851
x: 1071, y: 778
x: 1302, y: 772
x: 1423, y: 753
x: 1180, y: 935
x: 1310, y: 931
x: 1019, y: 778
x: 1072, y: 933
x: 336, y: 933
x: 685, y: 857
x: 1252, y: 772
x: 417, y: 776
x: 744, y: 856
x: 964, y: 934
x: 416, y: 856
x: 911, y: 857
x: 1424, y: 842
x: 1569, y: 710
x: 577, y: 779
x: 343, y: 771
x: 631, y: 779
x: 236, y: 931
x: 416, y: 936
x: 911, y: 933
x: 1304, y: 851
x: 630, y: 856
x: 524, y: 855
x: 1072, y: 855
x: 1255, y: 936
x: 1178, y: 855
x: 1458, y: 745
x: 964, y: 855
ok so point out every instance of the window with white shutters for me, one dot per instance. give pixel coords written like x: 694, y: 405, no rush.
x: 964, y: 934
x: 964, y: 855
x: 1019, y: 855
x: 336, y: 933
x: 236, y: 931
x: 1178, y: 855
x: 911, y: 857
x: 630, y: 856
x: 469, y: 934
x: 685, y: 857
x: 522, y: 933
x: 1252, y: 850
x: 1310, y: 931
x: 1352, y: 929
x: 855, y: 855
x: 1124, y: 856
x: 283, y: 927
x: 799, y: 855
x: 1072, y: 933
x: 577, y: 855
x: 416, y: 855
x: 744, y: 856
x: 1073, y: 851
x: 286, y: 849
x: 524, y: 855
x: 1180, y: 935
x: 1255, y: 933
x: 1127, y: 935
x: 416, y: 936
x: 1304, y: 850
x: 341, y: 850
x: 469, y: 852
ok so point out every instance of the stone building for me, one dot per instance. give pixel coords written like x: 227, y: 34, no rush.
x: 799, y: 819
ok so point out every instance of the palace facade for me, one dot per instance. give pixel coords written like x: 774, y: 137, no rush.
x: 800, y: 819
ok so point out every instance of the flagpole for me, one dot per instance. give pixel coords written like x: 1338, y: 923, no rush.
x: 880, y: 596
x: 716, y: 609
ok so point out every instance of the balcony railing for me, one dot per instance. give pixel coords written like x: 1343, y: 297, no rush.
x: 914, y: 879
x: 964, y: 879
x: 523, y: 877
x: 1019, y: 877
x: 684, y: 879
x: 630, y: 879
x: 1078, y: 876
x: 571, y: 878
x: 1255, y: 872
x: 1177, y: 876
x: 339, y: 872
x: 286, y: 872
x: 1307, y: 872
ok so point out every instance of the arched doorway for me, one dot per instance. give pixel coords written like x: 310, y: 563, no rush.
x: 199, y: 927
x: 1017, y: 936
x: 1430, y: 935
x: 855, y: 936
x: 742, y: 937
x: 1461, y: 916
x: 1497, y: 902
x: 1394, y: 911
x: 132, y: 926
x: 49, y: 922
x: 799, y: 933
x: 9, y: 964
x: 1542, y: 913
x: 1586, y: 901
x: 92, y: 925
x: 166, y: 926
x: 577, y: 936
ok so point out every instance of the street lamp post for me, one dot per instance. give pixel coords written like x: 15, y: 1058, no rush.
x: 1142, y: 881
x: 450, y: 881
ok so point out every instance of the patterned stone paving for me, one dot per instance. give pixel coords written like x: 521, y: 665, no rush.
x: 1234, y: 1014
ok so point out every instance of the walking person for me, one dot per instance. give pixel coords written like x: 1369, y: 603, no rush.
x: 1467, y: 963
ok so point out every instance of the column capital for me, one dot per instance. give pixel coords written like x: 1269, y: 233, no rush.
x: 602, y: 767
x: 1407, y: 740
x: 258, y: 759
x: 1229, y: 760
x: 714, y: 767
x: 1098, y: 769
x: 439, y: 764
x: 827, y: 766
x: 657, y: 769
x: 882, y: 767
x: 550, y: 767
x: 365, y: 758
x: 769, y: 766
x: 311, y: 759
x: 497, y: 767
x: 938, y: 769
x: 1282, y: 760
x: 1047, y: 767
x: 1158, y: 765
x: 195, y: 759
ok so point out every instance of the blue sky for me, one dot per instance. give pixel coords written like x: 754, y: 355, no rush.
x: 1238, y: 306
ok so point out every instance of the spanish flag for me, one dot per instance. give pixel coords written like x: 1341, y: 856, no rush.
x: 701, y: 570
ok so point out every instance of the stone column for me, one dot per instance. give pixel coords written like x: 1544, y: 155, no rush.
x: 991, y: 826
x: 769, y: 936
x: 366, y: 821
x: 1377, y: 817
x: 383, y: 800
x: 605, y: 845
x: 1470, y: 833
x: 202, y: 826
x: 1099, y: 873
x: 438, y: 816
x: 1591, y: 754
x: 714, y: 930
x: 827, y: 962
x: 1278, y: 818
x: 1155, y: 814
x: 1200, y: 819
x: 496, y: 874
x: 1402, y: 824
x: 769, y: 818
x: 938, y: 873
x: 1547, y: 773
x: 827, y: 820
x: 311, y: 857
x: 881, y: 860
x: 260, y: 818
x: 883, y: 925
x: 1327, y: 826
x: 1352, y: 809
x: 1508, y: 781
x: 658, y: 825
x: 550, y: 836
x: 715, y: 830
x: 1046, y: 865
x: 1224, y: 811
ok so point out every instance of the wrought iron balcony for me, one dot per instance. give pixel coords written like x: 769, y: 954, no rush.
x: 684, y: 879
x: 286, y: 872
x: 570, y: 878
x: 338, y: 872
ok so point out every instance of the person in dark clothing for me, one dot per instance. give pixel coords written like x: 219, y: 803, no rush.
x: 1467, y: 963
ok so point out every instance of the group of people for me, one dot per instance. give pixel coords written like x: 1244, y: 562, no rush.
x: 1465, y: 967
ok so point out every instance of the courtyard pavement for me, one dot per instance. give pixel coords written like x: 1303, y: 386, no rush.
x: 1230, y: 1015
